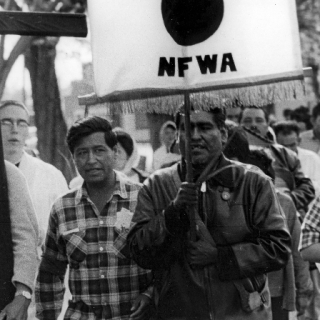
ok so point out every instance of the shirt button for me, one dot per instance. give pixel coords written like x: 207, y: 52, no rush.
x: 101, y: 222
x: 102, y: 276
x: 101, y: 248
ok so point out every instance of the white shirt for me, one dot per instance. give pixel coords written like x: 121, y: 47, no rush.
x: 46, y: 183
x: 310, y: 163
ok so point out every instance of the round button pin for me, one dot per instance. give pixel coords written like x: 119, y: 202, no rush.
x: 225, y: 195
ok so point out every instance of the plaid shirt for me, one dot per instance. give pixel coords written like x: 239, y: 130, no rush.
x: 310, y: 230
x: 94, y: 246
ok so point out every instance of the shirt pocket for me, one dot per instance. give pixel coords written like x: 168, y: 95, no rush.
x: 120, y: 246
x: 76, y: 247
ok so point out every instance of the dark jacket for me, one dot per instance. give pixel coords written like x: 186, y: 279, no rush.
x: 287, y: 167
x: 245, y: 221
x: 286, y: 164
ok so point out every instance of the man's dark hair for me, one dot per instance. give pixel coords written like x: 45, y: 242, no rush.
x: 287, y: 112
x: 171, y: 126
x: 316, y: 111
x: 261, y: 160
x: 125, y: 141
x: 218, y: 115
x: 266, y: 115
x: 286, y: 128
x: 301, y: 114
x: 237, y: 145
x: 87, y: 126
x: 6, y: 103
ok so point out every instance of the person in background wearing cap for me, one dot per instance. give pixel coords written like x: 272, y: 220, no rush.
x: 241, y: 233
x: 288, y: 135
x: 286, y: 164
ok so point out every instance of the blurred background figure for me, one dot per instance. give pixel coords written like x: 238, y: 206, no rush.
x: 288, y: 135
x: 310, y: 139
x: 164, y: 154
x: 289, y: 176
x: 233, y: 114
x: 302, y: 117
x: 287, y: 114
x: 257, y: 120
x: 127, y: 156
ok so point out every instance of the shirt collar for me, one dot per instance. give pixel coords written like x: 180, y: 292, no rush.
x: 119, y: 189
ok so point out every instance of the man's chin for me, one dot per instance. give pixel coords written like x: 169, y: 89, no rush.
x: 199, y: 161
x: 94, y: 180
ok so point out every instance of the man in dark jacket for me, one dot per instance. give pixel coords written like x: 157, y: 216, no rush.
x: 241, y: 232
x: 289, y: 176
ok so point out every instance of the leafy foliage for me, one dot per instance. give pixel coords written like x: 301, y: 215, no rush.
x: 308, y: 12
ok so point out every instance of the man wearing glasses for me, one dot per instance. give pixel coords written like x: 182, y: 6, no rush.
x: 45, y: 182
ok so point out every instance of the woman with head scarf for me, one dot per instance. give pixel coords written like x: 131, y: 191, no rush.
x: 164, y: 154
x: 127, y: 157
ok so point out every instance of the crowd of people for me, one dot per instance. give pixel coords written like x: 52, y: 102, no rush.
x: 239, y: 241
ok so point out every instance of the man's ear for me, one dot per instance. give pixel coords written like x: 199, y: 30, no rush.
x: 115, y: 152
x: 224, y: 136
x: 73, y: 159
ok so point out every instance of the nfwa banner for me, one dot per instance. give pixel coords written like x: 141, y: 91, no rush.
x: 219, y: 50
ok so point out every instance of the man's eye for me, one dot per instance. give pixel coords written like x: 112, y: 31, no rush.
x: 6, y: 122
x: 22, y: 124
x: 81, y: 153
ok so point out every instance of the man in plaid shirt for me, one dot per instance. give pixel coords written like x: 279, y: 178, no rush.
x: 87, y: 230
x: 310, y: 235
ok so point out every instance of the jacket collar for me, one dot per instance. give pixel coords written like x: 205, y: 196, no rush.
x: 225, y: 177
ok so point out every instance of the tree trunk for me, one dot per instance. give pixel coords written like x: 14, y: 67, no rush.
x: 315, y: 81
x: 51, y: 127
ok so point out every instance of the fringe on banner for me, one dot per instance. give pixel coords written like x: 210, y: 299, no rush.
x: 201, y: 99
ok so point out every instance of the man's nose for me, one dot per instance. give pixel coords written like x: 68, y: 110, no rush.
x: 91, y: 157
x: 253, y: 125
x: 14, y: 126
x: 195, y: 133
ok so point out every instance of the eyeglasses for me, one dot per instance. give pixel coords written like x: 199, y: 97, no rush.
x: 21, y: 124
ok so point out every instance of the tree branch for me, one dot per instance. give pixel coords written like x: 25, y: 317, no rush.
x: 20, y: 47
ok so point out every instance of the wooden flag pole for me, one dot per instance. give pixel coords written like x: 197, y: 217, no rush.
x: 189, y: 177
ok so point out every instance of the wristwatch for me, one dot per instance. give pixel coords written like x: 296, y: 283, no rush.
x: 26, y: 294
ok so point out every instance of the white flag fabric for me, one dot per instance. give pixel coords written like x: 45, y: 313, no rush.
x: 219, y: 50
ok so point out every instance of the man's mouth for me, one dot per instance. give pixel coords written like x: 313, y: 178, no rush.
x: 13, y: 140
x: 197, y: 147
x: 93, y: 170
x: 255, y: 129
